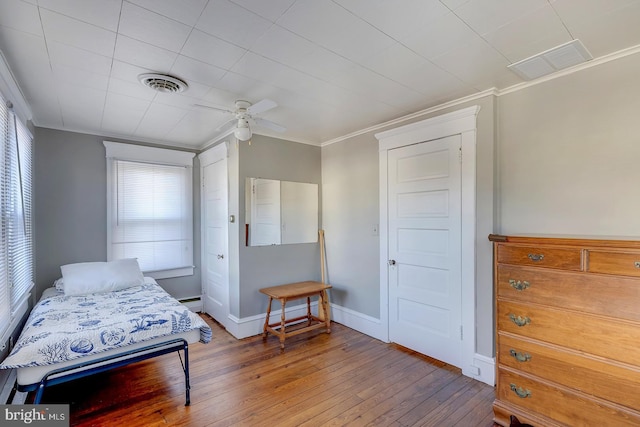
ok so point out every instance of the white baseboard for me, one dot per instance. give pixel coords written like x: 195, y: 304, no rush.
x: 483, y: 369
x: 250, y: 326
x: 360, y: 322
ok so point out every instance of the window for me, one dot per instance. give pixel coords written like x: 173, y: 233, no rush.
x: 16, y: 249
x: 150, y: 208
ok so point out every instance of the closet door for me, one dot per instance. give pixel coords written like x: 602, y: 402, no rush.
x: 215, y: 234
x: 425, y: 305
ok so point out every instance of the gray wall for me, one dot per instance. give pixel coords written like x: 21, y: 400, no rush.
x: 264, y: 266
x: 350, y: 213
x: 350, y: 170
x: 569, y: 154
x: 70, y: 200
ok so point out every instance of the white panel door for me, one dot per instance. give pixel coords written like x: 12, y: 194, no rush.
x: 424, y: 190
x: 215, y: 268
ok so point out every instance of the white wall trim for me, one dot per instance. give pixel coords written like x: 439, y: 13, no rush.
x: 213, y: 154
x: 12, y: 92
x: 384, y: 245
x: 360, y: 322
x: 484, y: 369
x: 448, y: 124
x: 142, y: 153
x: 491, y: 91
x: 218, y: 153
x: 253, y: 325
x: 583, y: 66
x: 463, y: 123
x: 403, y: 119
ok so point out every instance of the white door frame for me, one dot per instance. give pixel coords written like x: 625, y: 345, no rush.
x: 462, y: 122
x: 209, y: 157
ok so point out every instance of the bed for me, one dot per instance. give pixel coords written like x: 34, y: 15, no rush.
x: 74, y: 331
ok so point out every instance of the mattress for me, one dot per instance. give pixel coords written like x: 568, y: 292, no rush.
x: 33, y: 374
x: 66, y: 331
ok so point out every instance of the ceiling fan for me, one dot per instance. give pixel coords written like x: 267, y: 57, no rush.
x: 245, y: 117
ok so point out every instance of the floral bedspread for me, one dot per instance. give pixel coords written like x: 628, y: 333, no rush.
x: 62, y: 328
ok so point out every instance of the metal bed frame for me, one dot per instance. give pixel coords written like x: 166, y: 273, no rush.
x: 84, y: 369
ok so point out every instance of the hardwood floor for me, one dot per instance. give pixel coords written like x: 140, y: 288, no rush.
x: 345, y: 378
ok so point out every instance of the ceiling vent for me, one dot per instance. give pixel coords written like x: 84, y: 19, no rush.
x: 552, y: 60
x: 163, y: 83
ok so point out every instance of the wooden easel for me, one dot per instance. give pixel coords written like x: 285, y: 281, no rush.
x: 323, y: 263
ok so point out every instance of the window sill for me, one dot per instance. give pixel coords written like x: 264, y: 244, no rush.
x: 169, y: 274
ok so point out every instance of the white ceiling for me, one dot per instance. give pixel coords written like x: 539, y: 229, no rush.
x: 333, y: 66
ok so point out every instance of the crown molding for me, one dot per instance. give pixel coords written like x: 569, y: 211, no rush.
x: 470, y: 98
x: 493, y: 91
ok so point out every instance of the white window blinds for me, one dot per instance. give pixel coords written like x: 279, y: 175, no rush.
x: 5, y: 292
x: 150, y: 209
x: 18, y: 212
x: 16, y: 249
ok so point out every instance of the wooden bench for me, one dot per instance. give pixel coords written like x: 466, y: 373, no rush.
x: 293, y: 291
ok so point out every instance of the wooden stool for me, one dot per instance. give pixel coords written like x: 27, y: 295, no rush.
x: 293, y: 291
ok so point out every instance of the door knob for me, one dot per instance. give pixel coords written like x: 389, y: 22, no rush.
x: 220, y: 256
x: 392, y: 262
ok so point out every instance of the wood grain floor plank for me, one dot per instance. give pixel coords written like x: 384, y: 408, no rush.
x: 333, y: 376
x: 342, y: 378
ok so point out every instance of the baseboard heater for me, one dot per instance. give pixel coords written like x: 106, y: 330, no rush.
x: 192, y: 303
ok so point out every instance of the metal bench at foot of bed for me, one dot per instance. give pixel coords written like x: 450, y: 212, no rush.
x: 81, y: 370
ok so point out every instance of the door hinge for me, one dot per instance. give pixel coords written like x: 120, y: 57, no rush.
x: 461, y: 333
x: 460, y: 154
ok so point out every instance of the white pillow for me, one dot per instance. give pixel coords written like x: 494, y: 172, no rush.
x: 92, y: 277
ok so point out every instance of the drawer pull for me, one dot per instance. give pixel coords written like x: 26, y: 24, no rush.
x: 637, y: 264
x: 521, y: 392
x: 518, y: 285
x: 520, y: 357
x: 519, y: 320
x: 536, y: 257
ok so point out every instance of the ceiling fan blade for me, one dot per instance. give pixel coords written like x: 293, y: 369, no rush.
x: 210, y: 107
x: 269, y: 124
x: 261, y: 106
x: 227, y: 125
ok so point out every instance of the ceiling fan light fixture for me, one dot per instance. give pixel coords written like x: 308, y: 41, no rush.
x: 242, y: 132
x: 163, y: 82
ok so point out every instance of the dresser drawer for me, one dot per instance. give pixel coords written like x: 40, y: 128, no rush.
x: 540, y: 256
x: 601, y: 336
x: 561, y: 404
x: 590, y: 375
x: 592, y: 293
x: 609, y: 262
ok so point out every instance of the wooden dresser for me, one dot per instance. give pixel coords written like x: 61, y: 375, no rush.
x: 568, y: 331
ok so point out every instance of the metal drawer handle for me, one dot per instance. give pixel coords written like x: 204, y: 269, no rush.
x: 519, y: 320
x: 521, y: 392
x: 536, y: 257
x: 637, y: 264
x: 518, y: 285
x: 520, y: 357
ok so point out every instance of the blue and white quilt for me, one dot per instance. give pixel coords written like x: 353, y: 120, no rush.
x: 62, y: 328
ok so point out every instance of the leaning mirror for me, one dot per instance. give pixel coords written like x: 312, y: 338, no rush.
x: 280, y: 212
